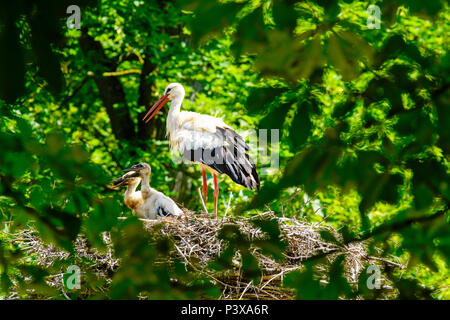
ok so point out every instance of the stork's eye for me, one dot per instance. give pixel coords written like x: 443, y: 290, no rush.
x: 168, y: 89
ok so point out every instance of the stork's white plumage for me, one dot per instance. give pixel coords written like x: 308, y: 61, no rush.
x: 146, y: 203
x: 207, y: 141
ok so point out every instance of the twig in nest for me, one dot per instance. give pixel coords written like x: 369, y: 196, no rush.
x: 245, y: 290
x: 228, y: 205
x: 203, y: 202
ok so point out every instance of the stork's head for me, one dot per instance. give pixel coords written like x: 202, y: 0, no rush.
x: 140, y: 168
x: 173, y: 90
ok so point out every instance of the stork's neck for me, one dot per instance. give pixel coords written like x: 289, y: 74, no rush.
x: 131, y: 189
x: 146, y: 190
x: 145, y: 182
x: 175, y: 106
x: 174, y: 112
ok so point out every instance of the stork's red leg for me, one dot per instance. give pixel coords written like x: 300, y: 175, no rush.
x: 205, y: 185
x: 216, y: 195
x: 205, y: 188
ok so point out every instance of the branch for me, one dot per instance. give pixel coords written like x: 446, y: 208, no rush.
x: 20, y: 201
x: 392, y: 227
x: 137, y: 54
x: 146, y: 86
x: 396, y: 226
x: 121, y: 73
x: 75, y: 91
x: 203, y: 202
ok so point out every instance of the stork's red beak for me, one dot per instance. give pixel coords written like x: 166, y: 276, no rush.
x: 154, y: 110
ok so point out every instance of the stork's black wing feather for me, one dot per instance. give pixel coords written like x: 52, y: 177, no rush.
x: 161, y: 212
x: 231, y: 158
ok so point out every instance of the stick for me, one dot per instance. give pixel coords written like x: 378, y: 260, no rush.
x: 228, y: 206
x: 245, y: 290
x: 121, y: 73
x: 203, y: 202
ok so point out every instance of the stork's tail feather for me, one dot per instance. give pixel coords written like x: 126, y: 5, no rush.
x: 245, y: 170
x: 251, y: 181
x: 245, y: 176
x: 237, y: 161
x: 255, y: 177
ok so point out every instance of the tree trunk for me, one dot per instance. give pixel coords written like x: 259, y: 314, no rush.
x: 155, y: 129
x: 110, y: 89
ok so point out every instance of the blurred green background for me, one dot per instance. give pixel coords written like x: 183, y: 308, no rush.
x: 363, y: 116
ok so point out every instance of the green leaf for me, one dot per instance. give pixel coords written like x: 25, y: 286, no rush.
x: 301, y: 126
x: 211, y: 18
x: 261, y: 97
x: 329, y: 236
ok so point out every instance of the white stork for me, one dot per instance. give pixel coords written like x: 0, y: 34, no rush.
x: 207, y: 141
x: 146, y: 203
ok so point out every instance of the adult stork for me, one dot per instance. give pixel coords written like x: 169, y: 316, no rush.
x: 207, y: 141
x: 146, y: 203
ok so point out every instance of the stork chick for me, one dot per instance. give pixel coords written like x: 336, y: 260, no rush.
x: 146, y: 203
x: 156, y: 204
x: 133, y: 199
x: 206, y: 141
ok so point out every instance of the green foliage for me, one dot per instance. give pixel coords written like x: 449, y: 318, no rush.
x: 310, y: 287
x: 368, y: 118
x: 153, y: 279
x: 237, y: 242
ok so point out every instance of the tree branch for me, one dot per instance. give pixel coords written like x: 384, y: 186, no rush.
x: 121, y: 73
x: 146, y: 86
x: 391, y: 227
x: 75, y: 91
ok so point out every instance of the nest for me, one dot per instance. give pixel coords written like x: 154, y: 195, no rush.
x: 196, y: 244
x: 196, y: 240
